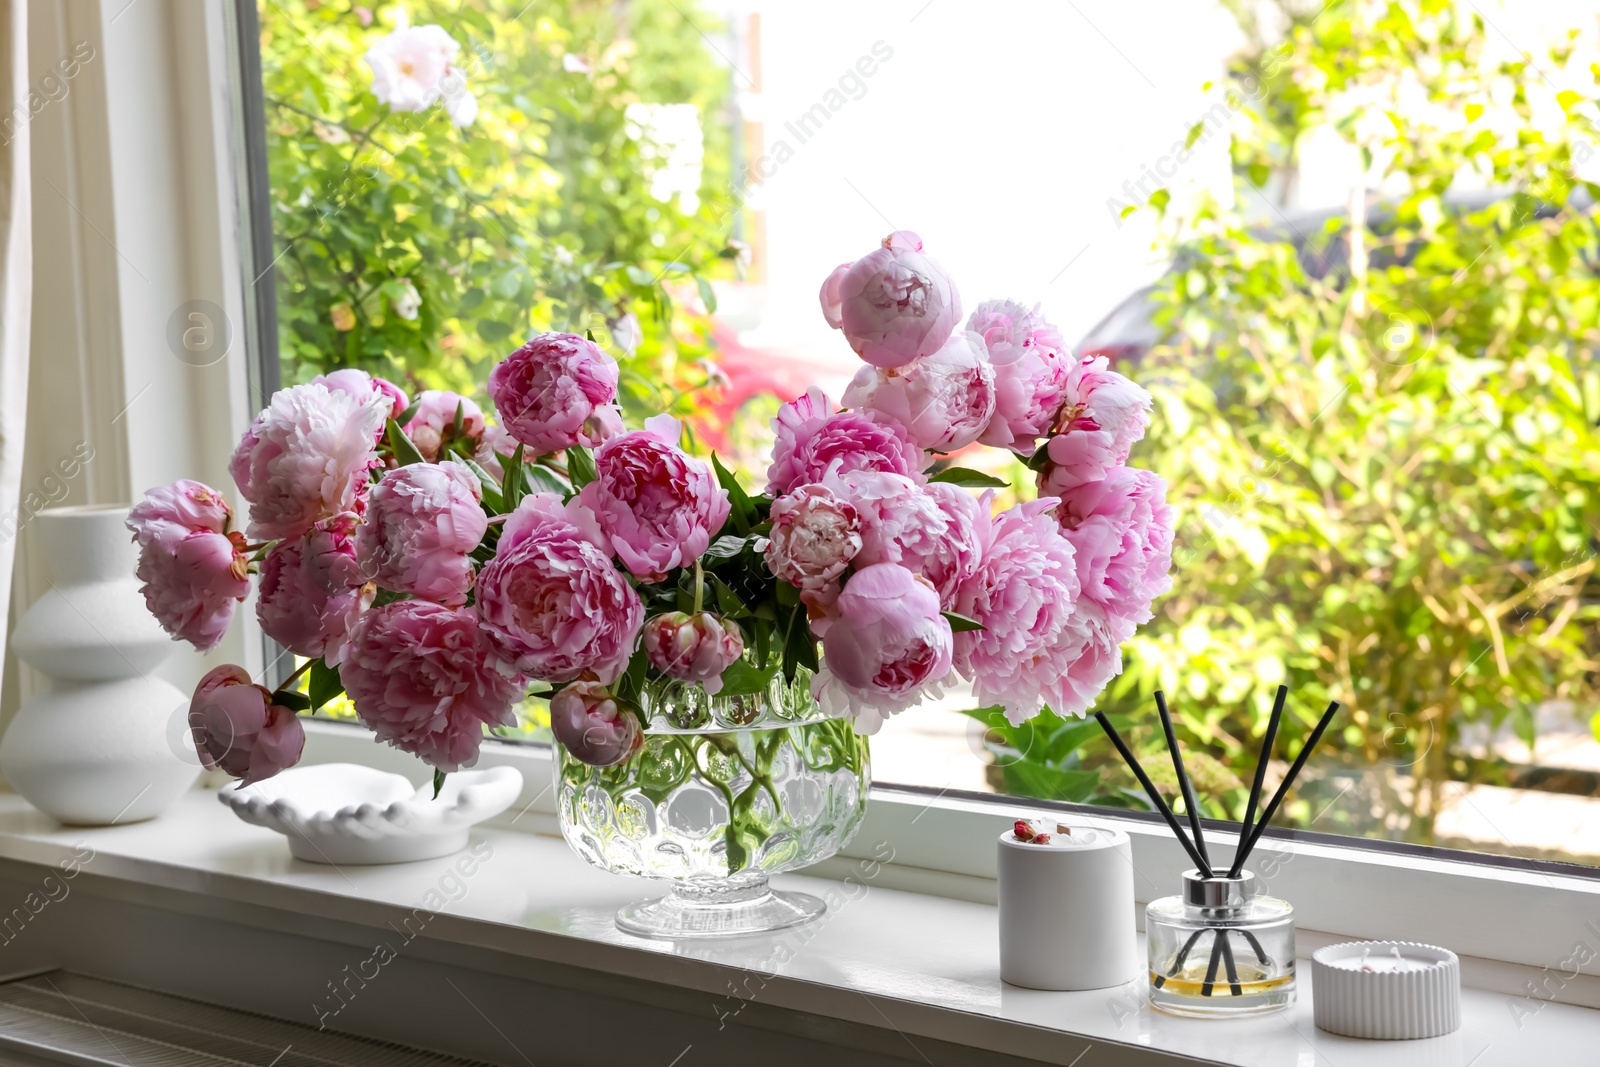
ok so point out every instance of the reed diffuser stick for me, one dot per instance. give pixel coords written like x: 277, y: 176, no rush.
x: 1190, y: 807
x: 1288, y: 780
x: 1149, y: 787
x: 1262, y: 760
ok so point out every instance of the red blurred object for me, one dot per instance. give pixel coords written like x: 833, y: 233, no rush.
x: 751, y: 373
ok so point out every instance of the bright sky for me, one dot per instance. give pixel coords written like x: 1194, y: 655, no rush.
x: 998, y: 132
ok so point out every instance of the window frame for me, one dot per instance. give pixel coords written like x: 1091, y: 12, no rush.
x: 944, y: 843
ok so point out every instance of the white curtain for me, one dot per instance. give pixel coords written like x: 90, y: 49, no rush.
x: 16, y: 270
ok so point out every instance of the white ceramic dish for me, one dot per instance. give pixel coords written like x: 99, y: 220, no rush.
x: 344, y: 813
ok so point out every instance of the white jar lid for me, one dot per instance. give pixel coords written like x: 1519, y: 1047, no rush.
x: 1386, y: 989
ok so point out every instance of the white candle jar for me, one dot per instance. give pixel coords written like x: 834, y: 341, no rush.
x: 1067, y: 910
x: 1218, y: 950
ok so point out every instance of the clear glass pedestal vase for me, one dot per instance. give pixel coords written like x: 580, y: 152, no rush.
x: 725, y: 792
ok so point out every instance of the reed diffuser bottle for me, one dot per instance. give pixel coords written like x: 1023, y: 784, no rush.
x: 1218, y: 949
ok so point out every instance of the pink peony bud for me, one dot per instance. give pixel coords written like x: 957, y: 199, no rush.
x: 593, y: 726
x: 423, y: 520
x: 692, y: 648
x: 814, y: 440
x: 312, y: 590
x: 236, y: 727
x: 659, y: 507
x: 193, y: 571
x: 814, y: 537
x: 886, y: 648
x: 944, y: 400
x: 556, y: 391
x: 893, y: 304
x: 432, y: 428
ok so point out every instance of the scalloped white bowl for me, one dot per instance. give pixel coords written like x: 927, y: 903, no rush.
x: 338, y: 813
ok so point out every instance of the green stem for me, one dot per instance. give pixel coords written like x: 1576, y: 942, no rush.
x: 760, y: 772
x: 298, y: 671
x: 699, y: 586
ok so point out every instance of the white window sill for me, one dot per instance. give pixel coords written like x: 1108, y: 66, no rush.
x: 918, y: 965
x: 1523, y: 933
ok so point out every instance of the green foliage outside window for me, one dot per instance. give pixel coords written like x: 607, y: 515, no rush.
x: 1379, y: 433
x: 539, y: 215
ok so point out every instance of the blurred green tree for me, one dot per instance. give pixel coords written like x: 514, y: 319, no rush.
x: 424, y: 251
x: 1378, y: 431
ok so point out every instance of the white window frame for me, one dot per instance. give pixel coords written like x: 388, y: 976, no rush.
x: 170, y: 112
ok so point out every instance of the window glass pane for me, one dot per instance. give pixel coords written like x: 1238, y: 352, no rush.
x: 1349, y: 250
x: 448, y: 179
x: 1383, y: 473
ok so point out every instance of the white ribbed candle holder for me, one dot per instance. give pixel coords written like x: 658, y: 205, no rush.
x: 1386, y: 990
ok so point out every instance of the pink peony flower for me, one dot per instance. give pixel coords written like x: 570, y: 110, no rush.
x: 189, y: 505
x: 692, y: 648
x: 1089, y: 656
x: 1121, y: 529
x: 306, y: 457
x: 590, y: 723
x: 955, y: 557
x: 893, y: 304
x: 495, y: 447
x: 423, y: 520
x: 813, y: 439
x: 552, y: 600
x: 193, y: 571
x: 556, y: 391
x: 238, y: 729
x: 421, y: 678
x: 944, y: 400
x: 1103, y: 414
x: 364, y: 386
x: 1024, y: 593
x: 432, y: 428
x: 312, y: 591
x: 1031, y: 367
x: 886, y: 649
x: 814, y: 537
x: 932, y: 530
x: 658, y: 506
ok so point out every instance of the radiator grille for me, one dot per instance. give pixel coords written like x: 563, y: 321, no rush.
x: 70, y: 1018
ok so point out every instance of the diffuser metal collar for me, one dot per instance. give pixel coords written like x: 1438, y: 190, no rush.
x: 1219, y: 891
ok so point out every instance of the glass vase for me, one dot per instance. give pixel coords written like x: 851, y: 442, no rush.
x: 725, y: 792
x: 1218, y: 950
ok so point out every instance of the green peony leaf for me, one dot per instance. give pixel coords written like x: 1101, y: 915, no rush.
x: 969, y: 478
x: 323, y: 685
x: 405, y: 453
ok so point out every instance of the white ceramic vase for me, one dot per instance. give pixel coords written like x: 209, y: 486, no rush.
x: 104, y: 743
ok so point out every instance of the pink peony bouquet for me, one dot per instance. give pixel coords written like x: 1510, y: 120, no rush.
x: 435, y: 562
